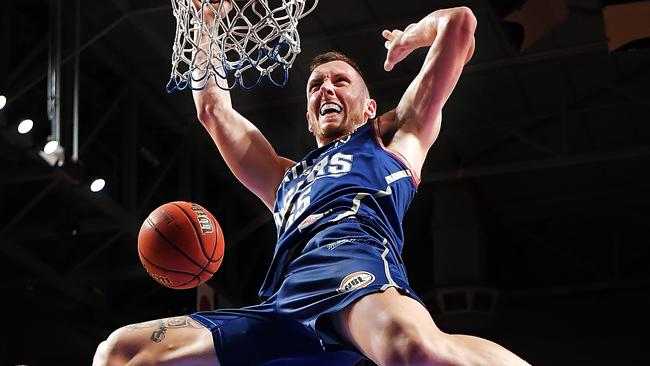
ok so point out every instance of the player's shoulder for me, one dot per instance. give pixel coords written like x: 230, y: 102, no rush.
x: 386, y: 129
x: 399, y: 138
x: 386, y: 126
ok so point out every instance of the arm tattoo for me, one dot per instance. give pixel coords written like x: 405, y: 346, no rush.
x: 160, y: 326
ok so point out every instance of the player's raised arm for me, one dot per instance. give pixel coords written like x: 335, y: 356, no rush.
x: 413, y: 126
x: 247, y: 152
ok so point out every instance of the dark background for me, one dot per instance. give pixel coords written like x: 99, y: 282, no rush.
x: 530, y: 226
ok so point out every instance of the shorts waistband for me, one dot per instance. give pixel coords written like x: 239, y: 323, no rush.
x: 359, y: 219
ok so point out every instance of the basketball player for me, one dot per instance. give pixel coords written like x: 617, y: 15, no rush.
x: 336, y: 290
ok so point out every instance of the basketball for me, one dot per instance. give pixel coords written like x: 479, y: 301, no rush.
x: 180, y: 245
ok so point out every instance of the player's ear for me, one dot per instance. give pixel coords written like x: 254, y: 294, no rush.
x: 308, y: 122
x: 371, y: 109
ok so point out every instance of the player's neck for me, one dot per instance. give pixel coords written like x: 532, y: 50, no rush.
x: 324, y: 140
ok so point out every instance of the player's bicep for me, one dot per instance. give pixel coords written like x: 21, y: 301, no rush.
x: 257, y: 166
x: 274, y: 181
x: 246, y: 151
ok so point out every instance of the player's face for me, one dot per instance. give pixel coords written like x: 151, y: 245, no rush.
x: 337, y: 101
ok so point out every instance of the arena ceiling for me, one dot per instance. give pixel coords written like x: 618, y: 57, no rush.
x: 534, y: 198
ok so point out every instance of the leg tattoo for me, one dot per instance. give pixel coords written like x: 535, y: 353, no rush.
x: 161, y: 326
x: 158, y: 335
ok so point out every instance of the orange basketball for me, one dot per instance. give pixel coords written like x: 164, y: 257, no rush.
x: 180, y: 245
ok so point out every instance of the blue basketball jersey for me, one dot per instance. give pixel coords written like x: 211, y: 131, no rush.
x: 351, y: 177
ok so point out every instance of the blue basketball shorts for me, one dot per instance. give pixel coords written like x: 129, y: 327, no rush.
x: 338, y: 266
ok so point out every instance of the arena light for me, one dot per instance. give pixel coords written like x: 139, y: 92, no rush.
x: 97, y: 185
x: 51, y: 147
x: 25, y: 126
x: 3, y: 101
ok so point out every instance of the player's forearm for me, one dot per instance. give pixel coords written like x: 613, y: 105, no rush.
x: 450, y: 33
x: 453, y: 32
x: 214, y: 109
x: 248, y: 154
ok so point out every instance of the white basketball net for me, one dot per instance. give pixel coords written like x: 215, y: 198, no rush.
x: 242, y: 47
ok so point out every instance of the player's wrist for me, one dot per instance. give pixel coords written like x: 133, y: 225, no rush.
x: 452, y: 17
x: 427, y: 29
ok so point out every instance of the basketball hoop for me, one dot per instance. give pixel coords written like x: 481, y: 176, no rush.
x: 256, y: 39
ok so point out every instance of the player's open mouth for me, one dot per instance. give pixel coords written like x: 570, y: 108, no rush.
x: 329, y: 108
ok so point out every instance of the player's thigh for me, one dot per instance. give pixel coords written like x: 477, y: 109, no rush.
x: 378, y: 320
x: 170, y: 341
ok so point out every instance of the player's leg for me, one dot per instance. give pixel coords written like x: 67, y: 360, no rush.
x: 171, y: 341
x: 392, y: 329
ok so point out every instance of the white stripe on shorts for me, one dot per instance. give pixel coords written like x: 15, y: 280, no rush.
x: 390, y: 283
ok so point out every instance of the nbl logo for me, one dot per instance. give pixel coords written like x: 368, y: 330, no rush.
x: 356, y: 281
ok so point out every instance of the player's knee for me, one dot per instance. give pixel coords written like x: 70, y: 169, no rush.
x: 112, y: 351
x: 117, y: 349
x: 101, y: 354
x: 408, y: 344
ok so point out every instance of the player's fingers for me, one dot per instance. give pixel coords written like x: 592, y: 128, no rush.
x: 222, y: 7
x: 393, y: 47
x: 387, y: 34
x: 388, y: 66
x: 396, y: 53
x: 392, y: 57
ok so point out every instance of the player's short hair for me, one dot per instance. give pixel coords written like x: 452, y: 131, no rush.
x: 330, y: 56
